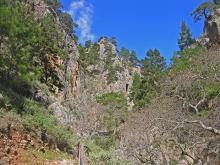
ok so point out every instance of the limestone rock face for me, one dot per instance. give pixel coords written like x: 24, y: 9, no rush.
x: 124, y: 77
x: 212, y: 27
x: 72, y: 72
x: 40, y: 9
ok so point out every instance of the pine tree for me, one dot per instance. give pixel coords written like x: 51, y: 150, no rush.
x: 146, y: 86
x: 124, y: 53
x: 203, y: 10
x: 133, y: 58
x: 185, y: 39
x: 55, y: 4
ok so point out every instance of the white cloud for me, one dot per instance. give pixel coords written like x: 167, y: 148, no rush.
x: 81, y: 13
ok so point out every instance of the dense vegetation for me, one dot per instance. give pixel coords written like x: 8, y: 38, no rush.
x: 103, y: 147
x: 117, y: 111
x: 26, y: 44
x: 146, y: 85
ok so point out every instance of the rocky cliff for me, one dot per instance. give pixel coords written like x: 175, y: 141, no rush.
x: 77, y: 97
x: 211, y: 28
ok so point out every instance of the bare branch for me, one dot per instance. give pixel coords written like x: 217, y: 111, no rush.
x: 211, y: 129
x: 195, y: 107
x: 217, y: 95
x: 199, y: 77
x: 214, y: 130
x: 215, y: 75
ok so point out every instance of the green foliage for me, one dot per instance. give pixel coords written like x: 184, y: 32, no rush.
x: 205, y: 9
x: 25, y: 41
x: 124, y: 53
x: 216, y: 2
x: 35, y: 115
x: 50, y: 38
x: 180, y: 63
x: 174, y: 162
x: 203, y: 113
x: 112, y: 70
x: 117, y: 110
x: 146, y: 86
x: 113, y: 41
x: 55, y: 4
x: 212, y: 89
x: 137, y: 92
x: 185, y: 59
x: 89, y: 55
x: 112, y: 74
x: 18, y: 37
x: 152, y: 68
x: 117, y: 99
x: 133, y: 58
x: 185, y: 39
x: 129, y: 58
x: 98, y: 153
x: 154, y: 61
x: 25, y: 44
x: 106, y: 143
x: 67, y: 22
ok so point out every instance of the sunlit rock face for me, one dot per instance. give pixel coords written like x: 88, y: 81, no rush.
x: 212, y: 27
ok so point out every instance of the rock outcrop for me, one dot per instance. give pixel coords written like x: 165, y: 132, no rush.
x: 82, y: 110
x: 212, y: 28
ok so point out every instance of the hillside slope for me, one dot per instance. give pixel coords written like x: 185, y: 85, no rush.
x: 168, y: 130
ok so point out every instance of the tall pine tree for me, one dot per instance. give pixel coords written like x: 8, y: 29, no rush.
x: 185, y: 39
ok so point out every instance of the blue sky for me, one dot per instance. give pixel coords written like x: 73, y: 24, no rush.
x: 137, y: 24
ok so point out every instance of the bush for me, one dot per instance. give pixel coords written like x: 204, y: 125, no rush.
x: 106, y: 143
x: 117, y: 110
x: 37, y: 116
x: 89, y: 55
x: 186, y: 59
x: 98, y: 153
x: 51, y: 155
x: 117, y: 99
x: 212, y: 89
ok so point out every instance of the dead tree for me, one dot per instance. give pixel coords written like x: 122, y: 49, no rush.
x: 194, y: 107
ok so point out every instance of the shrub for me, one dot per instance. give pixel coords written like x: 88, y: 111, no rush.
x: 116, y: 98
x: 37, y: 116
x: 212, y: 89
x: 106, y: 143
x: 98, y: 153
x: 186, y: 59
x: 117, y: 110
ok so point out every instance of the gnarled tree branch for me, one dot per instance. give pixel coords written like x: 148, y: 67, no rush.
x: 195, y: 107
x: 211, y: 129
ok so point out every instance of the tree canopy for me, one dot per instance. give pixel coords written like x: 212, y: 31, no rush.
x: 203, y: 11
x: 55, y: 4
x: 185, y: 39
x: 146, y: 85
